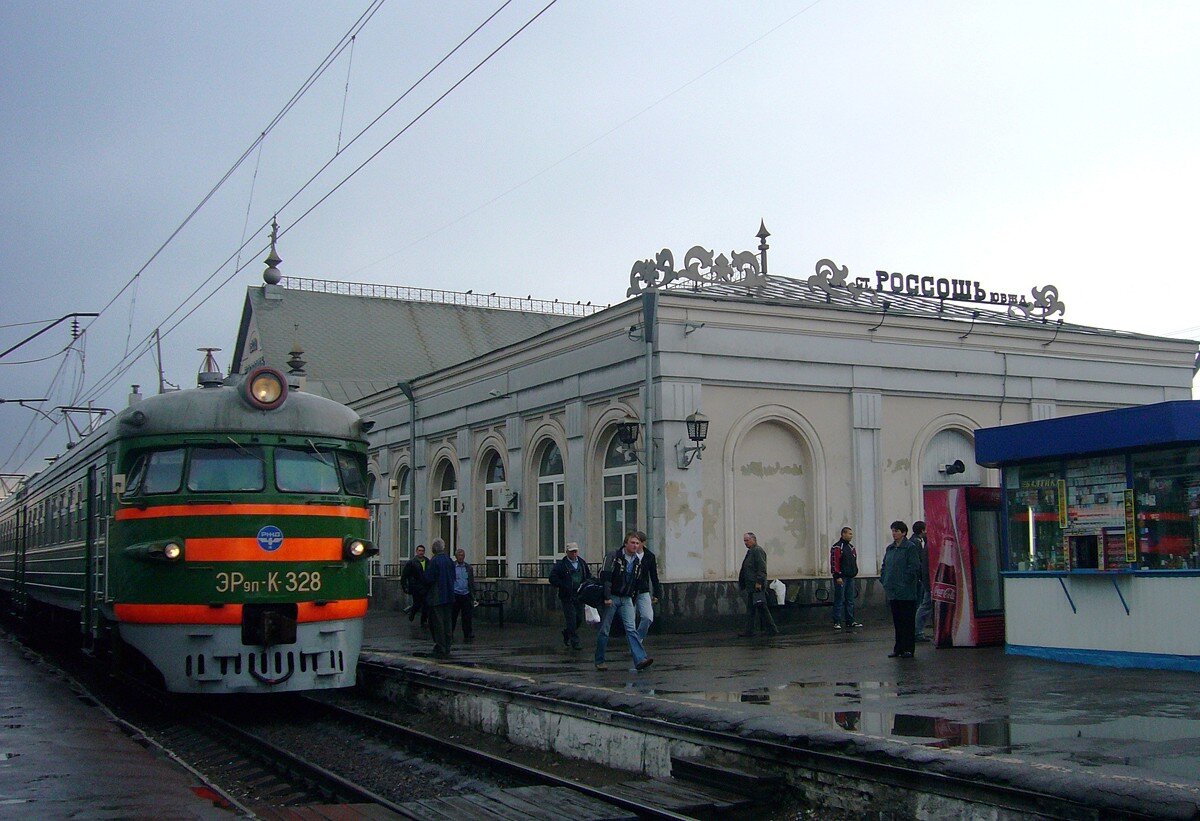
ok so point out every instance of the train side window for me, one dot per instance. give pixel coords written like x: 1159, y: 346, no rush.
x: 159, y: 471
x: 305, y: 471
x: 237, y: 469
x: 353, y: 467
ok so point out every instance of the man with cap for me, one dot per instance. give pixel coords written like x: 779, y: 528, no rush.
x: 567, y: 574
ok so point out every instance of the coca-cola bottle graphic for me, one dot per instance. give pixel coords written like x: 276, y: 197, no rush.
x: 944, y: 593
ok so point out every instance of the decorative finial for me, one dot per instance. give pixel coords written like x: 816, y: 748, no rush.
x: 271, y: 276
x: 762, y: 235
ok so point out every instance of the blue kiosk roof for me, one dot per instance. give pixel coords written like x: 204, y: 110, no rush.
x: 1164, y: 424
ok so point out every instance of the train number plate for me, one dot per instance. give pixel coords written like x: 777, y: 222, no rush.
x: 272, y: 581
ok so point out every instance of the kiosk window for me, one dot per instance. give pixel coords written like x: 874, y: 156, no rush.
x: 1166, y: 486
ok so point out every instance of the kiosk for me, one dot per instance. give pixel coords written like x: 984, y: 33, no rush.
x: 1101, y: 535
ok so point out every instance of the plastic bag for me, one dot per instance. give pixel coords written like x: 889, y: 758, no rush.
x: 780, y: 591
x: 590, y: 614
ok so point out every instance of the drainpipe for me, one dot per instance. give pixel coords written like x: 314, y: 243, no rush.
x: 649, y: 318
x: 407, y: 390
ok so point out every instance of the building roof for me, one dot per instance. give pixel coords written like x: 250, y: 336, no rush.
x: 1158, y: 425
x: 359, y: 339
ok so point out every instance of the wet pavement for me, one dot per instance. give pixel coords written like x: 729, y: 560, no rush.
x: 1129, y: 725
x: 62, y: 756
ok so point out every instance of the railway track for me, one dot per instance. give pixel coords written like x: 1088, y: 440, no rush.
x: 292, y: 757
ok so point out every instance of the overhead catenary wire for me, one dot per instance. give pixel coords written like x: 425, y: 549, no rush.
x: 128, y: 362
x: 330, y: 58
x: 132, y: 357
x: 591, y: 142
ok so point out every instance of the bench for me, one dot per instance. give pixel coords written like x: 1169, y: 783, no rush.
x: 489, y: 594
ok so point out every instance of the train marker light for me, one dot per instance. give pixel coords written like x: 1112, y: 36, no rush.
x: 265, y: 389
x: 170, y: 550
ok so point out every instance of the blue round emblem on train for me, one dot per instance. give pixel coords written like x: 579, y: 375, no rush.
x: 270, y: 538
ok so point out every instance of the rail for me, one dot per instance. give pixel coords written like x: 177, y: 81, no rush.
x: 466, y: 299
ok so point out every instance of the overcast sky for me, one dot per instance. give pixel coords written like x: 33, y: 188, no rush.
x: 1014, y: 143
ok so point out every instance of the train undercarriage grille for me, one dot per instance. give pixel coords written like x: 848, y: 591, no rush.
x: 265, y: 666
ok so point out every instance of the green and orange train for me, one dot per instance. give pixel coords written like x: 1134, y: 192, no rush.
x: 219, y: 532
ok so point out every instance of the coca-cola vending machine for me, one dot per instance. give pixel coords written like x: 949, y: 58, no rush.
x: 963, y: 540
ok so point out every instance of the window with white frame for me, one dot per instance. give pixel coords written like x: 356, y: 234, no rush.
x: 403, y: 517
x: 620, y: 494
x: 496, y: 523
x: 552, y: 507
x: 445, y: 507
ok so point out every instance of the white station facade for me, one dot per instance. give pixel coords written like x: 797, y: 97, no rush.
x: 829, y: 400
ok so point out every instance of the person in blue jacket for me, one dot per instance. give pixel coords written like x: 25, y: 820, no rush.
x: 439, y: 597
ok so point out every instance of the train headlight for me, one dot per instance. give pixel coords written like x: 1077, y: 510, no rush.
x: 172, y: 551
x: 265, y: 389
x: 355, y: 548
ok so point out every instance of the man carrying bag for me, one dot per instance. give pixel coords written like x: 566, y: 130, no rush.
x: 567, y: 575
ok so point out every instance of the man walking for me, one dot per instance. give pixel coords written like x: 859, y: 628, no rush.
x: 843, y: 564
x: 464, y: 595
x: 439, y: 597
x: 899, y: 578
x: 648, y: 588
x: 412, y: 581
x: 621, y: 573
x: 567, y: 574
x: 753, y: 582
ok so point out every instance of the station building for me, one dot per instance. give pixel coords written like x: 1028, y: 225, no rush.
x: 829, y: 400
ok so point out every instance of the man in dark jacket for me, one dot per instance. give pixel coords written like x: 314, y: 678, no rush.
x: 412, y: 582
x: 753, y: 582
x: 567, y: 574
x: 925, y: 604
x: 622, y: 574
x: 439, y: 597
x: 900, y: 576
x: 843, y: 566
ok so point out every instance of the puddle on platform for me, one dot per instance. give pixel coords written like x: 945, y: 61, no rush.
x: 1167, y: 745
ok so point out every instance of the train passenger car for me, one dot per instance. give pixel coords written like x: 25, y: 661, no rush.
x: 220, y: 532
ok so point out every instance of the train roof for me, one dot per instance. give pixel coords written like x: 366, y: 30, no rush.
x: 224, y: 408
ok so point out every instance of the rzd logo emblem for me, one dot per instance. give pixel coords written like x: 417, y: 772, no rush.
x: 270, y: 538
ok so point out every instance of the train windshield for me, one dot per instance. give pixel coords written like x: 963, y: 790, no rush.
x: 306, y: 471
x: 159, y: 471
x: 353, y: 469
x: 226, y: 469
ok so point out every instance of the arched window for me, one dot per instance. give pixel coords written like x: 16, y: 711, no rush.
x: 496, y: 534
x: 620, y: 494
x: 552, y: 506
x: 403, y: 548
x: 445, y: 507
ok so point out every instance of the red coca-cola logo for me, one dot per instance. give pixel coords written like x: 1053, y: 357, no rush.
x: 943, y: 592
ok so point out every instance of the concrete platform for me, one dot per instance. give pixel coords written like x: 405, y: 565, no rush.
x: 62, y: 757
x: 1132, y: 736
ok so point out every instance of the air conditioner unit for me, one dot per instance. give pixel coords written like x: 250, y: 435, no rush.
x: 509, y: 502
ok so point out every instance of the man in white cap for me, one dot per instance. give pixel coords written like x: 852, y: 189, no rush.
x: 567, y: 574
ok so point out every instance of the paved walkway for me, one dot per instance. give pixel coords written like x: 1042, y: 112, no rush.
x: 1138, y: 727
x: 61, y: 756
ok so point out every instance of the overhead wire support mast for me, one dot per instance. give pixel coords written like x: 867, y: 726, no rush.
x: 58, y: 321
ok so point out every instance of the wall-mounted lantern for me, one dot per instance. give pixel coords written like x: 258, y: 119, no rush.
x: 697, y: 431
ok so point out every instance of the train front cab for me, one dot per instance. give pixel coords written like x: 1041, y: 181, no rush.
x: 238, y: 560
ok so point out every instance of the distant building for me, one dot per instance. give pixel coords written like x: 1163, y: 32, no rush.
x: 831, y: 401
